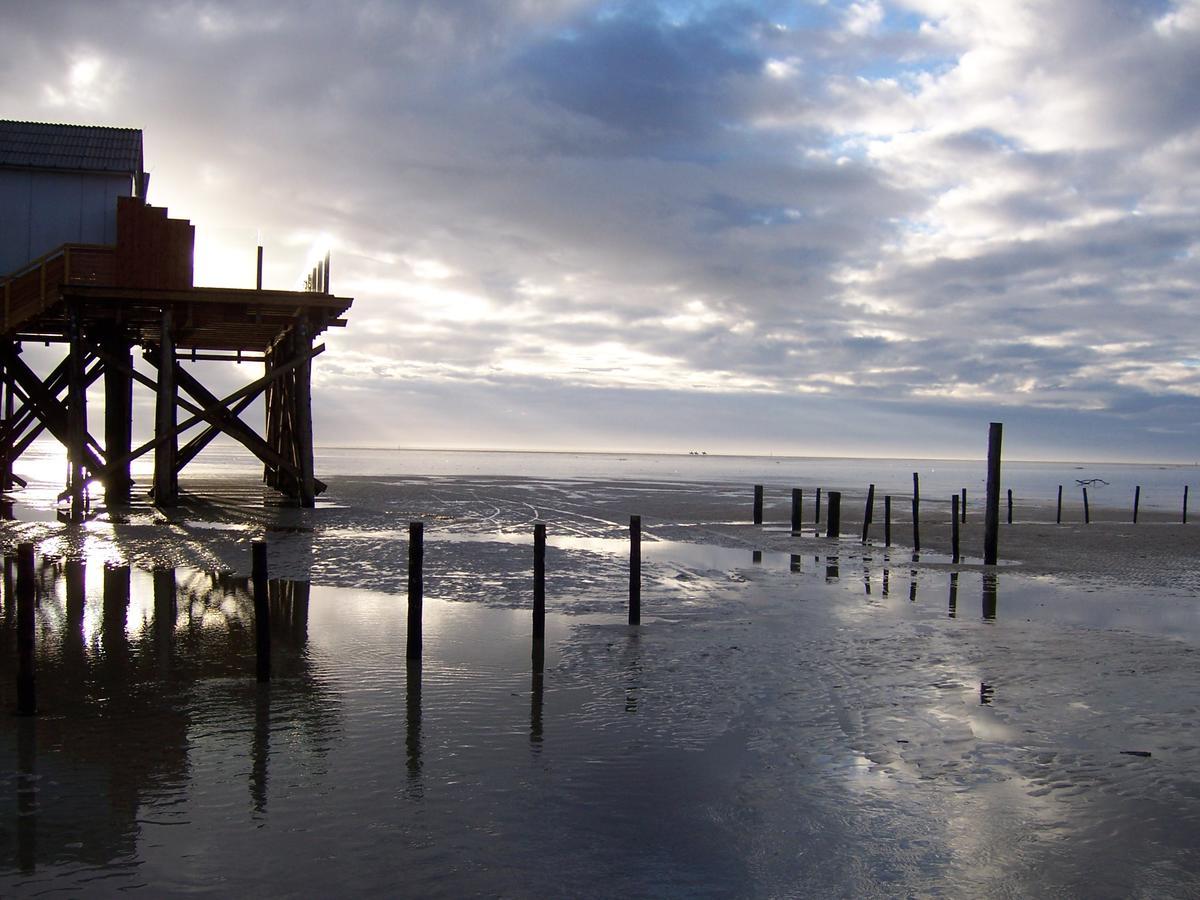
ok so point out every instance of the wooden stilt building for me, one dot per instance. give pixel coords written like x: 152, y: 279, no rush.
x: 102, y: 284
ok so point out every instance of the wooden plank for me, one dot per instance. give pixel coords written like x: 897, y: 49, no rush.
x: 166, y: 487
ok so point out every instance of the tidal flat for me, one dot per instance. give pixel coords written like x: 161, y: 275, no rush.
x: 796, y: 715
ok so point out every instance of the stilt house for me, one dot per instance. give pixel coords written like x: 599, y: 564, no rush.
x: 97, y: 271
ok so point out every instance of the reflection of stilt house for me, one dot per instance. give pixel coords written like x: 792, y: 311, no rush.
x: 96, y: 269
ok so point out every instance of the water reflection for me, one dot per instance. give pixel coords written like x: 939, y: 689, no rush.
x: 412, y: 722
x: 536, y: 699
x: 953, y: 612
x: 989, y: 595
x: 126, y: 662
x: 831, y: 568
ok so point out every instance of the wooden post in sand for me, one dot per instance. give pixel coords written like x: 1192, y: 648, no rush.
x: 954, y: 527
x: 1010, y: 506
x: 963, y: 506
x: 887, y: 520
x: 834, y: 518
x: 758, y: 504
x: 635, y: 570
x: 797, y: 507
x: 868, y: 513
x: 1086, y: 513
x: 539, y: 595
x: 916, y: 513
x: 1058, y: 515
x: 817, y: 515
x: 26, y: 684
x: 262, y: 611
x: 1137, y: 497
x: 1185, y: 492
x: 416, y: 587
x: 991, y: 524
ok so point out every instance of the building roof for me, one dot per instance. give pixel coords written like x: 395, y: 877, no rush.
x: 78, y: 148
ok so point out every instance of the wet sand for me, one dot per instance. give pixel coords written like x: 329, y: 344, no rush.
x: 797, y: 716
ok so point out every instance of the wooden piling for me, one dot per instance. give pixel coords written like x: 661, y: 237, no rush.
x: 991, y: 526
x: 954, y: 527
x: 26, y: 600
x: 166, y: 485
x: 635, y: 570
x: 834, y: 516
x: 1010, y: 506
x: 1137, y: 497
x: 1087, y: 518
x: 258, y: 276
x: 416, y: 587
x: 797, y: 506
x: 539, y: 589
x: 76, y: 416
x: 1185, y: 495
x: 262, y: 611
x: 817, y: 513
x: 1058, y: 515
x: 916, y: 512
x: 758, y: 504
x: 868, y: 513
x: 963, y: 506
x: 118, y: 420
x: 887, y: 520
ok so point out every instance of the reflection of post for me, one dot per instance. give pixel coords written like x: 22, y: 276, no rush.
x: 886, y: 581
x: 116, y: 609
x: 953, y: 594
x: 27, y: 795
x: 412, y: 727
x: 165, y: 613
x: 73, y: 653
x: 831, y: 568
x: 26, y: 685
x: 989, y: 595
x: 10, y: 600
x: 536, y: 698
x: 795, y: 562
x: 301, y: 590
x: 260, y: 749
x: 866, y: 579
x: 262, y: 611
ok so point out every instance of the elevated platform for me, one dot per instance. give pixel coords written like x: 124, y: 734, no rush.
x: 100, y: 301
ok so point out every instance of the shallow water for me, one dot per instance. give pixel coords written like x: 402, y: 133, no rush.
x: 822, y: 725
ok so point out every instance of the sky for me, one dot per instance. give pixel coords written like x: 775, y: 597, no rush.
x: 809, y: 228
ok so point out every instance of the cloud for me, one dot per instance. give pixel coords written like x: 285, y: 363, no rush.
x: 968, y: 207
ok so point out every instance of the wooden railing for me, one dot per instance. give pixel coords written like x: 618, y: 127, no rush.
x: 32, y: 289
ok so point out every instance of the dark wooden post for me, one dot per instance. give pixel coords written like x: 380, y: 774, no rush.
x: 834, y: 517
x: 954, y: 527
x: 1010, y: 506
x: 817, y: 514
x: 258, y: 277
x: 166, y: 486
x: 916, y: 512
x: 302, y: 400
x: 797, y: 507
x: 1137, y: 496
x: 118, y: 420
x: 1058, y: 515
x: 758, y: 504
x: 539, y: 594
x: 1086, y: 513
x: 963, y: 507
x: 991, y: 526
x: 1185, y: 493
x: 868, y: 513
x: 6, y: 464
x: 635, y: 570
x: 887, y: 520
x: 262, y: 610
x: 416, y: 587
x: 77, y: 415
x: 26, y: 600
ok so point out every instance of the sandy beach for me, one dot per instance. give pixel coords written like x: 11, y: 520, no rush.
x: 796, y: 716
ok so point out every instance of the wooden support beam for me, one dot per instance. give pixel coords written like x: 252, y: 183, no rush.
x: 166, y: 486
x: 50, y: 412
x: 216, y: 413
x: 76, y: 417
x: 192, y: 448
x: 302, y: 436
x: 237, y: 395
x: 118, y: 421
